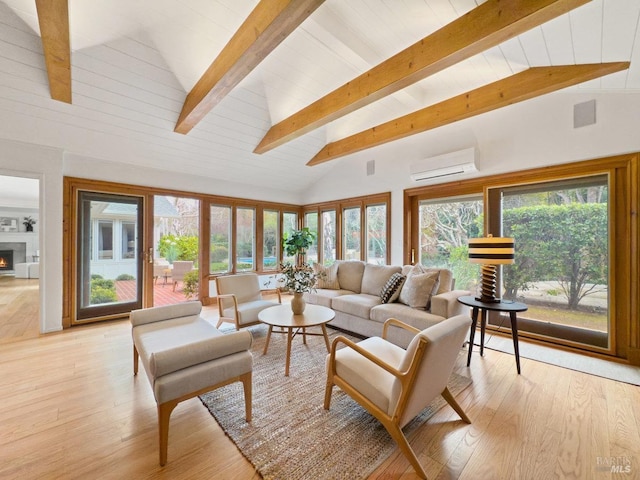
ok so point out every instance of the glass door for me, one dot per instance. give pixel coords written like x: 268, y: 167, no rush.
x: 108, y: 255
x: 176, y: 240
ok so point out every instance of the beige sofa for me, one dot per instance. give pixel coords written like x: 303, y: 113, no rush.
x: 353, y: 290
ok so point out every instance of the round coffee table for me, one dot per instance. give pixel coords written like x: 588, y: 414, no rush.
x: 282, y: 316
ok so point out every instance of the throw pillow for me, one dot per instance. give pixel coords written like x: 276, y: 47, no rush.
x: 391, y: 290
x: 417, y: 289
x: 328, y: 276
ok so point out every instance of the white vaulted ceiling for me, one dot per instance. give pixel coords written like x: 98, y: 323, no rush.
x: 134, y: 61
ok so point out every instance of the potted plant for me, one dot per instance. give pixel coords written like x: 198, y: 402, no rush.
x: 29, y: 223
x: 301, y: 277
x: 297, y: 242
x: 298, y: 279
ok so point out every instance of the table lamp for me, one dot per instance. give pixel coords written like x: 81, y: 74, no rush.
x: 490, y: 251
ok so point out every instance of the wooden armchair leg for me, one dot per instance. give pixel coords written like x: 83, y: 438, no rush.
x: 454, y: 404
x: 327, y: 394
x: 396, y: 432
x: 164, y: 413
x: 248, y: 389
x: 135, y: 360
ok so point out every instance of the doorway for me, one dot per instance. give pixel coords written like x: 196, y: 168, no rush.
x: 19, y: 238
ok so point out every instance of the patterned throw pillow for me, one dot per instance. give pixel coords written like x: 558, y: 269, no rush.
x: 329, y: 276
x: 391, y: 290
x: 418, y: 288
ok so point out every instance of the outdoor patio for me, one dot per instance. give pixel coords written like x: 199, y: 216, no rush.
x: 162, y: 294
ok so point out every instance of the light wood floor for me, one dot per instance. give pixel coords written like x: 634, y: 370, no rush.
x: 19, y: 308
x: 72, y: 409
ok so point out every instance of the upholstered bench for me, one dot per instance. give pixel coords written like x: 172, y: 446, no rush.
x: 185, y: 356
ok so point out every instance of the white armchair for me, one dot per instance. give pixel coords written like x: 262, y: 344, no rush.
x: 395, y: 385
x: 240, y: 299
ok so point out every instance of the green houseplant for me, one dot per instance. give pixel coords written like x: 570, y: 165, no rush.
x: 297, y: 242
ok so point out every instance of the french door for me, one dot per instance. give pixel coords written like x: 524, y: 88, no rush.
x: 108, y: 255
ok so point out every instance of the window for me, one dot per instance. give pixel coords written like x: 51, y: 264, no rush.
x: 289, y: 224
x: 128, y: 240
x: 271, y: 240
x: 562, y: 255
x: 575, y: 231
x: 445, y: 226
x: 352, y: 230
x: 376, y: 227
x: 329, y: 237
x: 220, y: 234
x: 245, y: 239
x: 311, y: 222
x: 105, y: 240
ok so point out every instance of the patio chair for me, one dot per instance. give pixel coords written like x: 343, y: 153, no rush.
x: 395, y: 385
x: 180, y: 269
x: 240, y: 299
x: 161, y: 268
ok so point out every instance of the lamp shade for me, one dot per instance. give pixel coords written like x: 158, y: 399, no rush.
x: 492, y: 250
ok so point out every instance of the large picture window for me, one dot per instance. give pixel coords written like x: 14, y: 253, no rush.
x: 562, y: 255
x: 575, y: 231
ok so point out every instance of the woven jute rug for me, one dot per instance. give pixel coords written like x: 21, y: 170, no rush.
x: 291, y: 436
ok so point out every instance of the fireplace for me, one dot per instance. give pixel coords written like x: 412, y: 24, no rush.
x: 6, y: 260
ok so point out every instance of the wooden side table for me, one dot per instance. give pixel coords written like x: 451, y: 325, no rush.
x: 502, y: 306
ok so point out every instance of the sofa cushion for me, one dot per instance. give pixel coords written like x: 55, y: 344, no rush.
x: 350, y: 275
x: 375, y: 277
x: 323, y: 296
x: 445, y: 280
x: 412, y: 316
x: 328, y: 276
x: 418, y: 288
x: 391, y: 290
x: 358, y: 305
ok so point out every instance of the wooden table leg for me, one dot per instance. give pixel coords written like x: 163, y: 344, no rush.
x: 304, y: 335
x: 326, y: 338
x: 514, y: 334
x: 472, y: 333
x: 289, y: 338
x: 266, y: 345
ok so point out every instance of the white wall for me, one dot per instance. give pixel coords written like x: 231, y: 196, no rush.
x: 531, y: 134
x: 45, y: 164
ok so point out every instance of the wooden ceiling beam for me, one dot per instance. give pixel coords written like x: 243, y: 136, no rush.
x: 522, y: 86
x: 486, y: 26
x: 270, y: 22
x: 53, y: 18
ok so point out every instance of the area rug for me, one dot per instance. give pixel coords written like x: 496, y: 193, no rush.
x: 291, y: 436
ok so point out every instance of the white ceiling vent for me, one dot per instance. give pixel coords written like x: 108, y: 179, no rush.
x: 462, y: 161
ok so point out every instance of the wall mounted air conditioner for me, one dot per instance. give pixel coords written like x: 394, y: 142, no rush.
x: 454, y: 163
